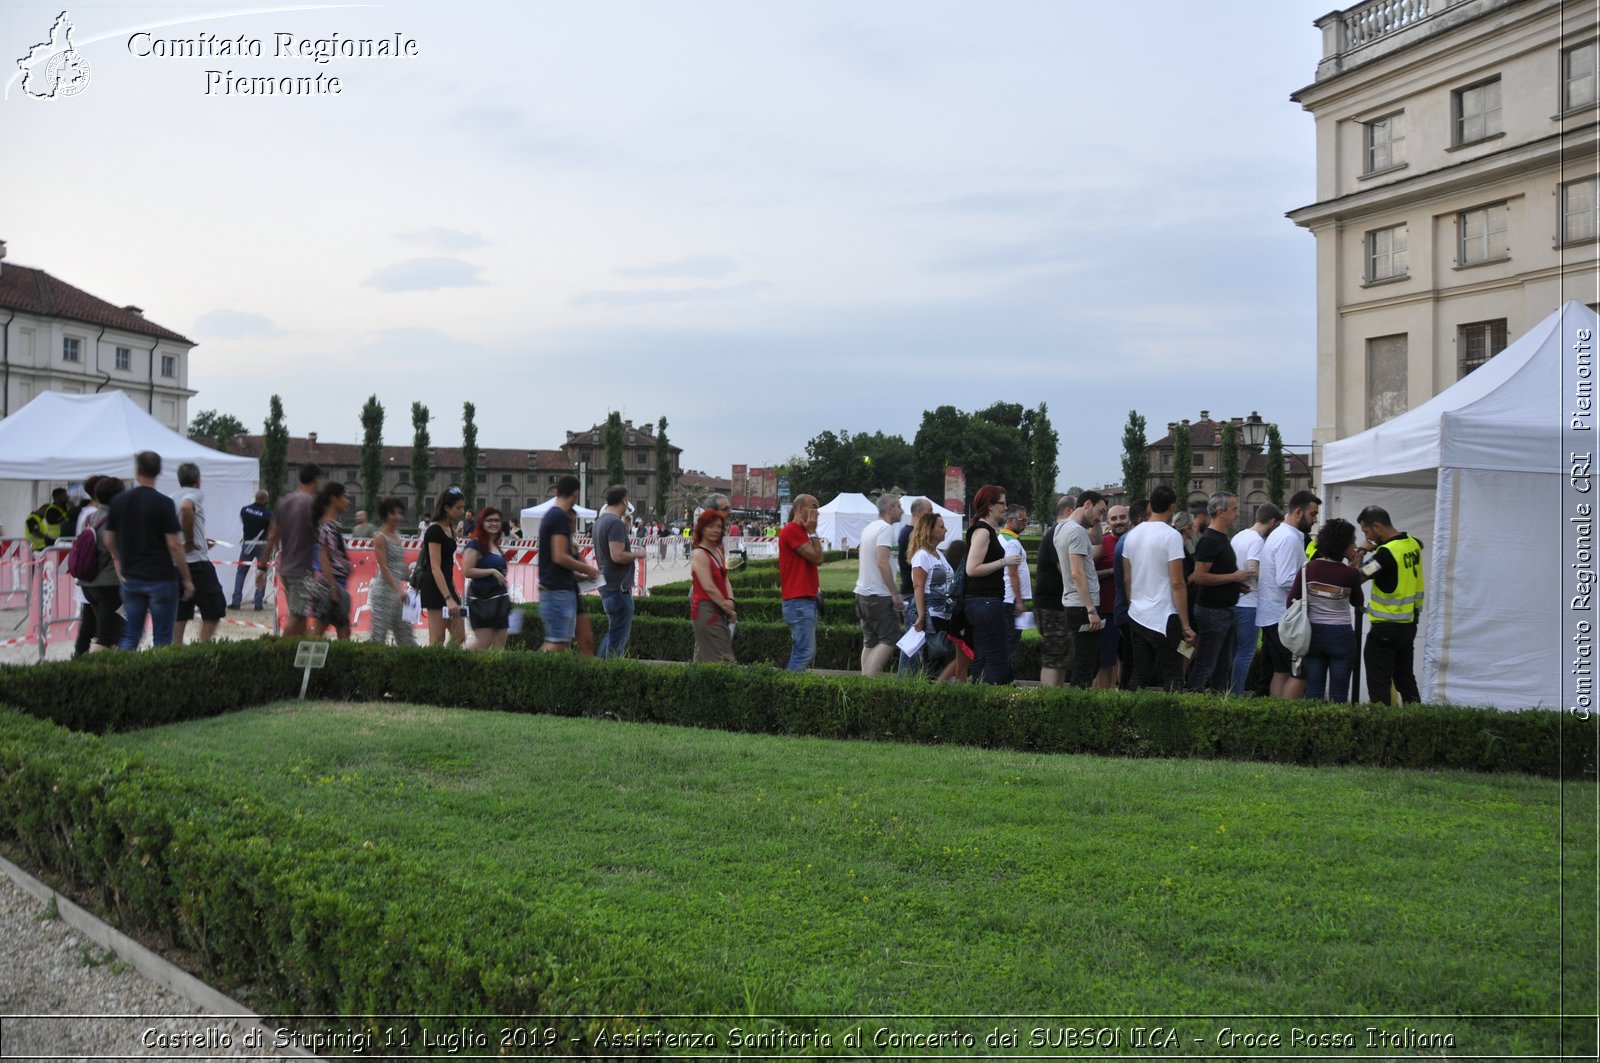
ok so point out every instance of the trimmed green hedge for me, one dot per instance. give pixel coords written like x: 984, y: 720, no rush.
x: 121, y: 691
x: 308, y: 921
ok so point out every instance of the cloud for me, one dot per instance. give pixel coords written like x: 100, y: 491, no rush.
x: 236, y: 325
x: 446, y: 239
x: 697, y: 267
x: 426, y: 275
x: 647, y: 296
x: 512, y: 131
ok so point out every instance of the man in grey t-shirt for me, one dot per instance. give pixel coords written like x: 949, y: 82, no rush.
x: 1081, y: 587
x: 613, y: 551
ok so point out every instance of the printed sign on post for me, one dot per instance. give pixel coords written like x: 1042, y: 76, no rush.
x: 309, y: 655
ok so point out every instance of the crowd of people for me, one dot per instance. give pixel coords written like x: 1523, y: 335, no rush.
x: 1128, y: 596
x: 1135, y: 596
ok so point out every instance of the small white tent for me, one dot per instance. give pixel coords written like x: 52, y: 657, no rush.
x: 952, y: 520
x: 58, y: 439
x: 1483, y: 474
x: 531, y: 516
x: 841, y: 522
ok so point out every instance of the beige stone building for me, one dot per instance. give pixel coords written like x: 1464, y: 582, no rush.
x: 1456, y: 192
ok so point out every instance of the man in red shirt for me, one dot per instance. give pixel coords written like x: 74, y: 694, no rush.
x: 799, y: 557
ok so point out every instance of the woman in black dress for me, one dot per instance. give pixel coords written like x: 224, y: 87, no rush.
x: 440, y: 599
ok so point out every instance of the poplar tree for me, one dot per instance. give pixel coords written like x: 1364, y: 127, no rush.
x: 1046, y: 464
x: 1182, y: 463
x: 663, y: 469
x: 469, y: 454
x: 274, y: 451
x: 1135, y: 461
x: 1275, y: 477
x: 372, y: 454
x: 1230, y: 458
x: 614, y: 440
x: 421, y: 468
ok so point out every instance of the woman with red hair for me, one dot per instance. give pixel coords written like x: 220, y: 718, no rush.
x: 986, y: 610
x: 483, y: 565
x: 711, y: 608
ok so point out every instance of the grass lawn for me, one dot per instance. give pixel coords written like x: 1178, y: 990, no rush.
x: 839, y: 576
x: 800, y: 877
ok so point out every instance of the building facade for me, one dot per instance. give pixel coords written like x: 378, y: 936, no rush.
x: 55, y: 337
x: 1456, y: 191
x: 509, y: 480
x: 1205, y: 466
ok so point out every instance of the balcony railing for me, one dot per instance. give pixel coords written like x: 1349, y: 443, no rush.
x: 1379, y: 18
x: 1348, y: 36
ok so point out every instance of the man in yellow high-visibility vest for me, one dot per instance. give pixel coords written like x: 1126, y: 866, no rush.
x: 1395, y: 565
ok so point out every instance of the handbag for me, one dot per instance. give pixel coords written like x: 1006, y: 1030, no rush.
x: 492, y: 612
x: 1294, y: 627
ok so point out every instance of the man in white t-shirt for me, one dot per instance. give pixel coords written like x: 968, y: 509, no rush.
x: 1247, y: 544
x: 1281, y: 559
x: 1019, y: 585
x: 878, y: 604
x: 1158, y: 597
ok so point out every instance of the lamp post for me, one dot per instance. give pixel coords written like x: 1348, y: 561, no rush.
x: 1253, y: 431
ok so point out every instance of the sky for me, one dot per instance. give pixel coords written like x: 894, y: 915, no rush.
x: 759, y: 220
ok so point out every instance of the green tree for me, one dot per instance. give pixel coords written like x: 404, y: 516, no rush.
x: 988, y: 446
x: 1135, y: 460
x: 421, y: 466
x: 274, y: 451
x: 469, y: 454
x: 1230, y: 458
x: 372, y: 454
x: 1275, y: 473
x: 219, y: 428
x: 1045, y: 444
x: 1182, y: 462
x: 664, y: 477
x: 615, y: 473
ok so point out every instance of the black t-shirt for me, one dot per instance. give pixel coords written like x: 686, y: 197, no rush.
x: 905, y: 562
x: 141, y: 519
x: 991, y: 585
x: 1051, y: 587
x: 1217, y: 548
x: 437, y: 533
x: 557, y: 521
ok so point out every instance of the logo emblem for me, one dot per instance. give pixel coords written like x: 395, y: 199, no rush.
x: 54, y: 68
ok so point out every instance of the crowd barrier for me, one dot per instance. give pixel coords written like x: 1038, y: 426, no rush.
x: 38, y: 586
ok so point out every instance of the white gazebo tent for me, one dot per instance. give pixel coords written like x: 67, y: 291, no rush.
x: 58, y: 439
x: 952, y: 520
x: 531, y: 516
x: 1479, y: 474
x: 841, y: 522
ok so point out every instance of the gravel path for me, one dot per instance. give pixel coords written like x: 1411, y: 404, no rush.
x: 81, y: 1002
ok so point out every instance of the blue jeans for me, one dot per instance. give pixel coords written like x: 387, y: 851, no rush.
x: 240, y: 574
x: 801, y: 616
x: 1213, y: 654
x: 158, y: 598
x: 558, y: 610
x: 1244, y: 644
x: 618, y: 604
x: 989, y: 618
x: 911, y: 667
x: 1330, y: 661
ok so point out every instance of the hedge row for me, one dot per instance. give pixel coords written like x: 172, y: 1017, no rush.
x: 286, y: 908
x: 671, y: 638
x: 120, y: 691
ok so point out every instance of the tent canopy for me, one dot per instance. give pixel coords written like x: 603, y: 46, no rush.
x: 952, y: 519
x: 531, y: 516
x: 1447, y: 472
x: 58, y: 438
x: 842, y: 520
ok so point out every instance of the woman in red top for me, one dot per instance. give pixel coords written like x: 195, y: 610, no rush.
x: 1331, y: 586
x: 711, y: 608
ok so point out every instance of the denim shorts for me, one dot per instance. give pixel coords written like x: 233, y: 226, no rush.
x: 559, y: 612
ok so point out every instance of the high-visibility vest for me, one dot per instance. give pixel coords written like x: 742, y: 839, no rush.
x: 43, y: 529
x: 1400, y: 605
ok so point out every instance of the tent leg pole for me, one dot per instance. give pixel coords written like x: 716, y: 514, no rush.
x: 1355, y: 672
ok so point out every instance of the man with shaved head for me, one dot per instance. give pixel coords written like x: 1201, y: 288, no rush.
x: 799, y: 557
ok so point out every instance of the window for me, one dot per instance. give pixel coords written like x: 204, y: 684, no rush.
x: 1386, y: 143
x: 505, y: 479
x: 1477, y: 112
x: 1199, y: 461
x: 427, y: 504
x: 169, y: 365
x: 1479, y: 342
x: 1580, y: 202
x: 1578, y: 72
x: 1483, y: 235
x: 1386, y: 254
x: 638, y: 481
x: 1386, y: 378
x: 124, y: 359
x: 70, y: 348
x: 642, y: 458
x: 552, y: 478
x: 1258, y: 483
